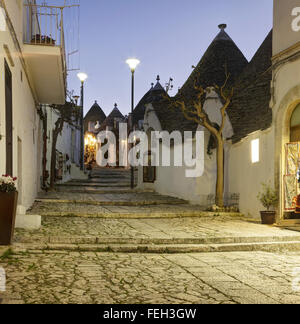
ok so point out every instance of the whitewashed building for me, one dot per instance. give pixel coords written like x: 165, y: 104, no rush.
x: 263, y: 122
x: 33, y: 70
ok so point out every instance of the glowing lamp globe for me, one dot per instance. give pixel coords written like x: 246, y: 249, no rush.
x: 133, y: 63
x: 82, y: 76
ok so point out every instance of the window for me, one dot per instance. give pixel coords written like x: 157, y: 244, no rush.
x: 255, y: 151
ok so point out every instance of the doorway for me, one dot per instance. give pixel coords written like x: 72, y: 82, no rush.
x: 295, y: 125
x: 8, y: 120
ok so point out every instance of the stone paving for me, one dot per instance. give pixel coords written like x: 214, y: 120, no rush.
x: 87, y: 277
x: 38, y: 274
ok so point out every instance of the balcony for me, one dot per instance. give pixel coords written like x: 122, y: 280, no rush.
x: 44, y: 52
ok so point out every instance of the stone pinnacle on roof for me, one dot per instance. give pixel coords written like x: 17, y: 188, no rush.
x: 158, y: 86
x: 95, y: 114
x: 222, y: 34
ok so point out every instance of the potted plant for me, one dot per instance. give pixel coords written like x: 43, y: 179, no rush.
x: 8, y: 206
x: 268, y: 198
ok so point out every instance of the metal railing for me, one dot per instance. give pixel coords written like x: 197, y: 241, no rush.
x: 43, y: 25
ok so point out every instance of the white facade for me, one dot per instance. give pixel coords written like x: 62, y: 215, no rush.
x: 26, y: 122
x: 37, y: 73
x: 242, y: 177
x: 172, y: 180
x: 286, y: 82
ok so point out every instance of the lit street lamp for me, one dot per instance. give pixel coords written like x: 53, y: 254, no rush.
x: 82, y: 77
x: 133, y: 63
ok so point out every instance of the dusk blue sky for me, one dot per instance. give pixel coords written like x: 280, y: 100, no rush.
x: 168, y: 36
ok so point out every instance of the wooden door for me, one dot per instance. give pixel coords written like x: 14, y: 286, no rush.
x: 8, y: 120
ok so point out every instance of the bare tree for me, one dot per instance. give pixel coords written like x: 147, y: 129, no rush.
x: 67, y: 113
x: 195, y: 112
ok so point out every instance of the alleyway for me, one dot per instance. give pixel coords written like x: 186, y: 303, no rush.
x: 101, y: 242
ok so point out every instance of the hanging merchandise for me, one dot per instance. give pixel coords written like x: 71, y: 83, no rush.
x: 291, y: 178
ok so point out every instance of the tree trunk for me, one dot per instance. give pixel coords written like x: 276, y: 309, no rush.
x: 58, y: 128
x: 220, y: 173
x: 44, y: 149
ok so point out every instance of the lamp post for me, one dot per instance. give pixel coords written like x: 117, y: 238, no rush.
x: 82, y: 77
x: 133, y: 63
x: 76, y: 98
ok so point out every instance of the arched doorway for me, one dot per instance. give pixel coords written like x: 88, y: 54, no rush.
x: 283, y: 110
x: 291, y: 162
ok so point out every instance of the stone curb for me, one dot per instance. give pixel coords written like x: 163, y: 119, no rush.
x: 140, y: 215
x: 155, y: 249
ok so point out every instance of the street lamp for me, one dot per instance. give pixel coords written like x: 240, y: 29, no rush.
x: 133, y: 63
x: 76, y: 98
x: 82, y: 77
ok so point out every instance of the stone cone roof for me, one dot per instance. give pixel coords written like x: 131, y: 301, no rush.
x: 109, y: 121
x: 221, y: 55
x: 250, y: 109
x: 155, y: 94
x: 94, y: 114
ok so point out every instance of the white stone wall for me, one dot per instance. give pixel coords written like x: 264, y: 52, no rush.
x: 246, y: 177
x: 26, y: 122
x: 172, y: 180
x: 64, y: 144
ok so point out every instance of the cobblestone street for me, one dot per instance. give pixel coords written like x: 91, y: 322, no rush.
x: 161, y: 255
x: 88, y: 277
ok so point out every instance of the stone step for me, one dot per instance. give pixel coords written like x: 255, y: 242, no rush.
x: 107, y: 178
x: 107, y: 190
x: 111, y: 203
x: 96, y: 185
x: 158, y: 241
x: 110, y: 174
x: 133, y: 214
x: 160, y: 248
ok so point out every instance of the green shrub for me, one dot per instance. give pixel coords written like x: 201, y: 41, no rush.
x: 268, y: 196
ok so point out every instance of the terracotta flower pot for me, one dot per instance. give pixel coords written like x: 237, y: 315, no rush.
x: 268, y: 217
x: 8, y: 207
